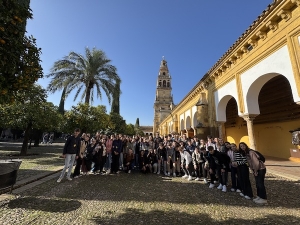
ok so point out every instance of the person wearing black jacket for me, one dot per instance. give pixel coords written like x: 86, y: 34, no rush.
x: 97, y: 157
x: 143, y: 161
x: 70, y: 153
x: 152, y: 159
x: 116, y: 150
x: 218, y: 163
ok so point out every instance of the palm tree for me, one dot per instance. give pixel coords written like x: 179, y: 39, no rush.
x: 115, y: 105
x: 84, y: 73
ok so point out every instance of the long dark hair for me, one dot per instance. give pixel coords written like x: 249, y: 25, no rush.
x: 246, y: 150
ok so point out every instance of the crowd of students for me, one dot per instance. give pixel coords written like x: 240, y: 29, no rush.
x: 208, y: 160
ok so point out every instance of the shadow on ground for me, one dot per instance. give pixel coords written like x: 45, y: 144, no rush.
x: 46, y: 205
x: 157, y: 189
x: 134, y: 216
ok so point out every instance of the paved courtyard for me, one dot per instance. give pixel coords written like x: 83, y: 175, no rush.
x: 146, y: 199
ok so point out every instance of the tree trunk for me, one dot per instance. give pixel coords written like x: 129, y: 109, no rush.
x: 61, y: 107
x: 88, y: 94
x: 37, y: 137
x: 26, y: 138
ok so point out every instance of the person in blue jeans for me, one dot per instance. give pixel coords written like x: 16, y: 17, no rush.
x: 70, y: 153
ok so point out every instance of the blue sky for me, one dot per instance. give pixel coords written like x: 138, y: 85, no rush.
x: 135, y: 34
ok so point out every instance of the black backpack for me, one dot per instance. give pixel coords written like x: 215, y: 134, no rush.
x: 261, y: 157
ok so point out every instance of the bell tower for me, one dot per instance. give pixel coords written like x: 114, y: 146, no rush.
x: 163, y: 96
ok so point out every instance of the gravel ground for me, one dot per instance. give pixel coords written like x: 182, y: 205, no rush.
x: 148, y: 199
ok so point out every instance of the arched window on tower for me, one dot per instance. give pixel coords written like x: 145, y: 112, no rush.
x: 168, y: 84
x: 159, y: 83
x: 164, y: 73
x: 164, y: 83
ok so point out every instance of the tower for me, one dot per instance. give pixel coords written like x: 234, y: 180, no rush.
x: 163, y: 96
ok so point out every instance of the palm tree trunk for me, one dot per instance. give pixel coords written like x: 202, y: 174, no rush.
x: 26, y: 138
x: 88, y: 94
x: 61, y: 107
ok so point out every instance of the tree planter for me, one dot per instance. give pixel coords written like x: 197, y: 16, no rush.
x: 8, y: 173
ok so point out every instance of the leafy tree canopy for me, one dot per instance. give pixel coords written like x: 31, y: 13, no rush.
x: 20, y: 58
x: 117, y: 123
x: 86, y: 74
x: 88, y: 118
x: 30, y: 107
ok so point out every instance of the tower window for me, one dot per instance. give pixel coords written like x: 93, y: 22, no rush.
x: 164, y: 83
x: 168, y: 84
x: 159, y: 84
x: 164, y: 73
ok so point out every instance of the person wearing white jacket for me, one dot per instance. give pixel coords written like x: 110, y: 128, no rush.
x: 186, y: 163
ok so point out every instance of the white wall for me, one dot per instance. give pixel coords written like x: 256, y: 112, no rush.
x: 222, y: 96
x: 254, y: 78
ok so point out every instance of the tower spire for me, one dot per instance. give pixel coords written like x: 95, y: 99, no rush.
x: 163, y: 97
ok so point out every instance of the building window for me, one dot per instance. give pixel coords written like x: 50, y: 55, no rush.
x: 164, y: 73
x: 164, y: 83
x: 168, y: 84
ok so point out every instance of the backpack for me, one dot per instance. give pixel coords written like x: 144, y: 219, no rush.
x: 261, y: 157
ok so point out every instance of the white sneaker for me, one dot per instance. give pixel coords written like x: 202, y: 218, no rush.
x: 197, y: 179
x: 129, y: 171
x: 190, y: 178
x: 168, y: 174
x: 232, y: 189
x: 211, y: 186
x: 185, y: 176
x: 174, y: 174
x: 215, y: 182
x: 205, y: 181
x: 255, y: 199
x: 241, y: 194
x: 238, y: 190
x: 108, y: 172
x: 158, y: 172
x: 220, y: 186
x: 76, y: 177
x: 69, y: 178
x: 247, y: 197
x: 261, y: 201
x: 224, y: 189
x: 59, y: 180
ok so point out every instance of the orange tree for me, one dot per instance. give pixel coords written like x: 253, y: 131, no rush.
x: 88, y: 118
x: 20, y: 58
x: 30, y: 111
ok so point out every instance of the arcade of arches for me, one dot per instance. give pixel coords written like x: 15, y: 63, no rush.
x: 252, y: 93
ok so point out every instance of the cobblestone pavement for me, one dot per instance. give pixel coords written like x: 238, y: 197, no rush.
x: 40, y: 161
x: 147, y: 199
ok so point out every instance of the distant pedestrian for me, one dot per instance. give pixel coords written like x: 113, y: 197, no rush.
x: 70, y: 152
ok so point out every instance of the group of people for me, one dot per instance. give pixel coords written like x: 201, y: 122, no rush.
x: 48, y: 138
x: 208, y: 160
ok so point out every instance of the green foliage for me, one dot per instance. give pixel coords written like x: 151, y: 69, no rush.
x: 117, y: 123
x: 130, y: 129
x: 20, y: 58
x: 86, y: 74
x: 30, y: 107
x: 88, y: 118
x: 137, y: 123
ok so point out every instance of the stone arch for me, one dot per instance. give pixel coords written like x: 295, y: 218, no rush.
x: 221, y: 108
x: 251, y: 103
x: 182, y: 124
x: 188, y: 122
x: 195, y: 121
x: 164, y: 83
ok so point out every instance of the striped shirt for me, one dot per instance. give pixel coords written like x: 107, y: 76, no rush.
x: 240, y: 159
